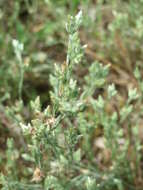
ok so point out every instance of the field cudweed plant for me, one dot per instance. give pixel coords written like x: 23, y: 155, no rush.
x: 60, y: 140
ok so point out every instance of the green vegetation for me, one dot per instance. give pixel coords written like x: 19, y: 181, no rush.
x: 71, y: 95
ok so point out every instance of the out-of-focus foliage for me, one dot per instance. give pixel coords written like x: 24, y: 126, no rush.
x: 71, y: 95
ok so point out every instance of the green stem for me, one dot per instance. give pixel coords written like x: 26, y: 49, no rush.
x: 21, y: 79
